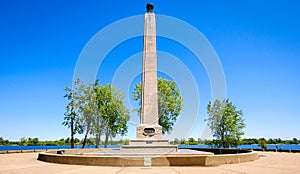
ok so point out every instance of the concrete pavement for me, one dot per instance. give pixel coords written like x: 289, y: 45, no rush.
x: 269, y: 162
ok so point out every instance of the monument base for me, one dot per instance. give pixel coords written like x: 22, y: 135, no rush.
x: 143, y: 142
x: 149, y: 146
x: 149, y: 131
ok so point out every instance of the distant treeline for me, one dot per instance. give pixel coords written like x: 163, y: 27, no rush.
x: 192, y: 141
x: 91, y: 141
x: 61, y: 142
x: 270, y: 141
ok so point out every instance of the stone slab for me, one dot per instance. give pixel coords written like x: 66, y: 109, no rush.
x: 149, y: 142
x: 140, y: 131
x: 149, y: 148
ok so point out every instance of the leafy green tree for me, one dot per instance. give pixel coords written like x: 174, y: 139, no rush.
x: 71, y: 118
x: 67, y: 141
x: 226, y: 122
x: 80, y: 110
x: 23, y: 141
x: 293, y: 141
x: 1, y: 141
x: 114, y: 114
x: 278, y: 141
x: 262, y: 143
x: 249, y: 141
x: 100, y: 109
x: 271, y: 141
x: 200, y: 141
x: 76, y: 141
x: 176, y: 141
x: 33, y: 141
x: 208, y: 142
x: 169, y: 102
x: 192, y: 141
x: 90, y: 141
x: 87, y: 107
x: 98, y: 121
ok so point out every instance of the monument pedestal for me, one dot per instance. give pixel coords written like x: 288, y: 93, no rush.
x: 148, y: 131
x: 144, y: 142
x: 149, y: 140
x: 149, y: 146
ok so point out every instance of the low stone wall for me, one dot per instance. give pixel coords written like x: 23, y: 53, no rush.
x: 22, y: 151
x: 88, y: 160
x: 75, y: 151
x: 218, y: 151
x: 231, y: 158
x: 76, y: 157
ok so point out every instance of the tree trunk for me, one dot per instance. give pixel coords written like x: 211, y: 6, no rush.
x: 222, y: 140
x: 72, y: 133
x: 106, y: 139
x: 223, y: 132
x: 223, y: 143
x: 85, y: 136
x: 98, y: 135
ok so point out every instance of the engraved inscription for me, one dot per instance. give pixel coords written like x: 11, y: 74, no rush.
x: 147, y: 161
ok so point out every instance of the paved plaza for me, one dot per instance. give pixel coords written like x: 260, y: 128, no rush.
x: 269, y: 162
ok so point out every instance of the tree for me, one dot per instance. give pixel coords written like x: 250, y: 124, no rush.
x: 249, y: 141
x: 200, y: 141
x: 1, y: 141
x: 176, y: 141
x: 293, y: 141
x: 169, y: 102
x: 99, y: 109
x: 33, y: 141
x: 86, y: 101
x: 71, y: 118
x: 192, y: 141
x: 278, y: 141
x: 226, y: 122
x: 114, y: 115
x: 67, y: 141
x: 271, y: 141
x: 262, y: 143
x: 23, y: 141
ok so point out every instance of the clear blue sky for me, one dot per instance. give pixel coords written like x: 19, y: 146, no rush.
x: 258, y: 43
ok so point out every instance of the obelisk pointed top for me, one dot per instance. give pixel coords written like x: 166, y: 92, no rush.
x: 149, y: 7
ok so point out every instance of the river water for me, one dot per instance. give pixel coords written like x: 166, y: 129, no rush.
x: 253, y: 146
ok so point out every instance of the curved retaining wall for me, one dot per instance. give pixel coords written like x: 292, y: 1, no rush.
x: 223, y: 150
x: 76, y: 157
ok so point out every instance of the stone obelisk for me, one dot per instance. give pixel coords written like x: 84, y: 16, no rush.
x: 149, y: 127
x: 149, y: 132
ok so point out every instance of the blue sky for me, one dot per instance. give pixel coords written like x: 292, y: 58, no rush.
x: 257, y: 43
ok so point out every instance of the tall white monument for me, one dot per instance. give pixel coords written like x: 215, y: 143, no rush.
x: 149, y: 127
x: 149, y: 132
